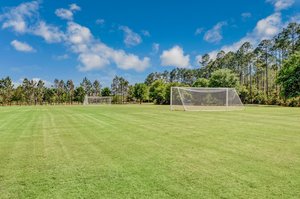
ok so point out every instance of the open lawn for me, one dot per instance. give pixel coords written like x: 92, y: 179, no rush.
x: 147, y: 151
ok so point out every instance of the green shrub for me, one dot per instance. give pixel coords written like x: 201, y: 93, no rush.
x: 293, y: 102
x: 201, y: 82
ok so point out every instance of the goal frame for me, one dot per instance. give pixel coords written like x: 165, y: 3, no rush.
x: 227, y: 107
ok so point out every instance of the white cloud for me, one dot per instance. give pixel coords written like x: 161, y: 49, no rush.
x: 22, y: 46
x: 94, y: 54
x: 155, y: 48
x: 74, y: 7
x: 199, y: 31
x: 100, y: 21
x: 67, y: 13
x: 129, y: 61
x: 92, y: 61
x: 281, y: 4
x: 16, y: 18
x: 25, y: 19
x: 146, y: 33
x: 265, y: 28
x: 50, y: 33
x: 214, y: 35
x: 268, y: 27
x: 130, y: 38
x: 78, y: 34
x: 64, y: 13
x: 175, y: 57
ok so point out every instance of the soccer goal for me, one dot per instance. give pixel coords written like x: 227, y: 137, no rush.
x: 205, y: 99
x: 95, y: 100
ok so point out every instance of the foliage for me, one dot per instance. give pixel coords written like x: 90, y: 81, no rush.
x: 157, y: 92
x: 119, y: 89
x: 80, y: 94
x: 140, y: 92
x: 106, y: 92
x: 223, y: 78
x: 289, y: 76
x: 201, y: 82
x: 243, y: 92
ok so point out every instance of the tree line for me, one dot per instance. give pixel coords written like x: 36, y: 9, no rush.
x: 268, y: 73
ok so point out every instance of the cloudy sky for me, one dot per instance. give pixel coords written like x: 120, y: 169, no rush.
x: 67, y: 39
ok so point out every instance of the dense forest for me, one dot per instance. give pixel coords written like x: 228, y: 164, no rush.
x: 268, y: 73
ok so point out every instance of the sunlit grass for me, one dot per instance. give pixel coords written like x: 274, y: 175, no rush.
x: 146, y: 151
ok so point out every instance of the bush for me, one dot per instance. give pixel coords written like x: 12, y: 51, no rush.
x: 289, y: 76
x: 223, y: 78
x: 293, y: 102
x: 243, y: 93
x: 157, y: 92
x: 259, y: 97
x: 201, y: 82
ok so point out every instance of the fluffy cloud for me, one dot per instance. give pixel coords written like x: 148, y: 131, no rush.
x: 214, y: 35
x: 281, y: 4
x: 49, y: 33
x: 130, y: 38
x: 64, y: 13
x: 78, y: 34
x: 94, y: 54
x: 22, y: 46
x: 268, y: 27
x: 92, y: 61
x: 25, y: 19
x: 265, y: 28
x: 67, y: 13
x: 17, y: 17
x: 175, y: 57
x: 74, y: 7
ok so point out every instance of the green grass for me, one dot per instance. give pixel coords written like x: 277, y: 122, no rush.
x: 148, y: 152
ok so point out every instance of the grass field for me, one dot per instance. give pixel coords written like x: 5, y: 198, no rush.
x: 147, y: 151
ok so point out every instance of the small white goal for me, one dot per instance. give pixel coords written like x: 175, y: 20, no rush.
x: 204, y: 99
x: 95, y: 100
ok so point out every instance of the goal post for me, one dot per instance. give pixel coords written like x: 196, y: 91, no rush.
x: 204, y: 99
x: 96, y: 100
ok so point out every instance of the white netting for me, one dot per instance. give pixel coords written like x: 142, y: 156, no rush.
x: 88, y: 100
x: 201, y: 99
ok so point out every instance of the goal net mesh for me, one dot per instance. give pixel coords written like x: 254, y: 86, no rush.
x: 201, y: 99
x: 88, y: 100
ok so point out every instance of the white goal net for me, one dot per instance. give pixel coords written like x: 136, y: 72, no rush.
x: 88, y: 100
x: 204, y: 99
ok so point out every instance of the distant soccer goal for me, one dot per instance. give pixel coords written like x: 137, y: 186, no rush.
x: 205, y: 99
x: 93, y: 100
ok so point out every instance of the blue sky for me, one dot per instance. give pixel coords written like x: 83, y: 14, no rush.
x: 100, y: 39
